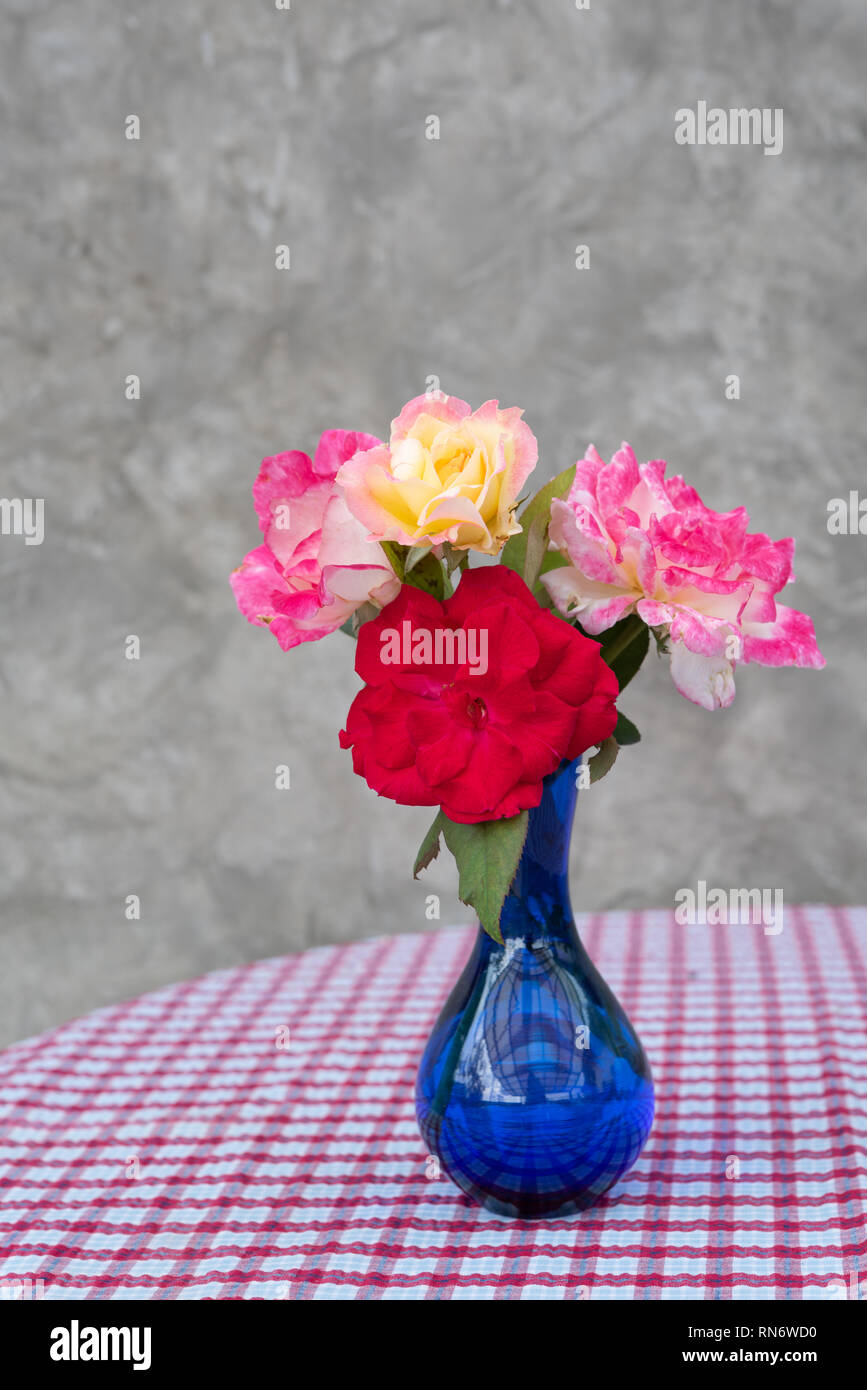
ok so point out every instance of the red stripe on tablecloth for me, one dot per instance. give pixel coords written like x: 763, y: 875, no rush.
x: 397, y: 1279
x: 390, y: 1156
x: 521, y: 1246
x: 401, y: 1180
x: 695, y: 1037
x: 456, y: 1227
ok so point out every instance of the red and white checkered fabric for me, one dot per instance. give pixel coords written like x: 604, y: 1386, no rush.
x: 171, y: 1147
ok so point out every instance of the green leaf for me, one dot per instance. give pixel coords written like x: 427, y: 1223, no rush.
x: 429, y: 847
x: 625, y: 732
x: 455, y: 559
x: 537, y: 544
x: 629, y: 640
x: 362, y: 614
x: 617, y: 638
x: 603, y: 761
x: 514, y: 552
x: 552, y: 560
x: 487, y: 855
x: 429, y: 575
x: 396, y: 557
x: 413, y: 555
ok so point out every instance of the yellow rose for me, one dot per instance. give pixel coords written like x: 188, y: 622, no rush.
x: 447, y: 474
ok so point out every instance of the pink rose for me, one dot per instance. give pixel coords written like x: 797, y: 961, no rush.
x: 316, y: 566
x: 448, y: 474
x: 638, y: 542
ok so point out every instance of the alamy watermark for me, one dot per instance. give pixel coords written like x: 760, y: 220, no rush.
x: 21, y: 1288
x: 23, y: 516
x: 77, y: 1343
x: 738, y: 126
x: 720, y: 906
x: 847, y: 516
x: 442, y: 646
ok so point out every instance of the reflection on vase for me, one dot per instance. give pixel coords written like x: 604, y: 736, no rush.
x: 534, y: 1091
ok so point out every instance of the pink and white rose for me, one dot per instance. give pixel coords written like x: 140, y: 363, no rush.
x: 638, y: 542
x: 316, y: 566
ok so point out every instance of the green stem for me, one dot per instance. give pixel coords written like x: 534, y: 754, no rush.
x: 634, y: 626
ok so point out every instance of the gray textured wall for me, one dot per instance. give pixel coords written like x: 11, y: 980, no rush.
x: 409, y: 257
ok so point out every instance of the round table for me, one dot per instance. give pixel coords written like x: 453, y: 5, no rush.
x: 250, y: 1134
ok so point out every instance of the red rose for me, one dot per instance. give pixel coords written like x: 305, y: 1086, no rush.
x: 470, y: 703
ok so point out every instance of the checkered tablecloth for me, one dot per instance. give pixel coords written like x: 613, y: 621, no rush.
x: 250, y: 1134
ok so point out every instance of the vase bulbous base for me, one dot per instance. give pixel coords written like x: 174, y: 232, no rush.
x: 550, y: 1099
x: 534, y: 1093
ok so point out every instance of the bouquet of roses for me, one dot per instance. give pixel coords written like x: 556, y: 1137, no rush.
x: 480, y: 682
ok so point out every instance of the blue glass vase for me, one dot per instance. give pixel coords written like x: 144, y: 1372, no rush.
x: 534, y: 1091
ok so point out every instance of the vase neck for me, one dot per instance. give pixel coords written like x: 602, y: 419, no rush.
x: 540, y: 889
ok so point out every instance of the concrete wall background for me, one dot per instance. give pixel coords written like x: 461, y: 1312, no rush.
x: 409, y: 257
